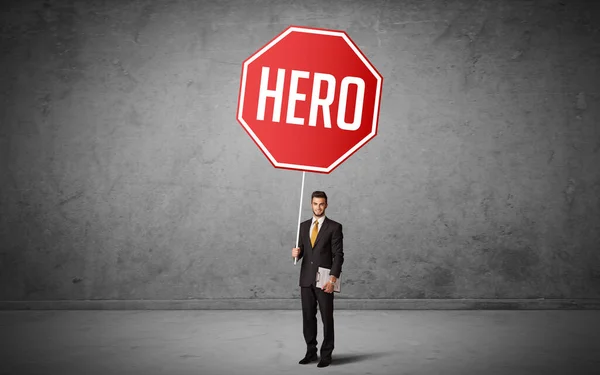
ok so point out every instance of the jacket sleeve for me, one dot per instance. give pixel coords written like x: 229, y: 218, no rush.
x: 337, y: 251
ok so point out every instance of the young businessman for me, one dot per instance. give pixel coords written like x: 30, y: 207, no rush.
x: 320, y: 245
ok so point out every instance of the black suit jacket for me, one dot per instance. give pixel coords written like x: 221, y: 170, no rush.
x: 328, y: 251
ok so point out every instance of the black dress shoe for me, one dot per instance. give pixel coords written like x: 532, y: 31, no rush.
x: 308, y: 359
x: 324, y: 362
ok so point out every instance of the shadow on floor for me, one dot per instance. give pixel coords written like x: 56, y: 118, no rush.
x: 344, y: 359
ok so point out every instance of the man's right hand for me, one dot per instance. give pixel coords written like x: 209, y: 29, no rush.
x: 295, y: 252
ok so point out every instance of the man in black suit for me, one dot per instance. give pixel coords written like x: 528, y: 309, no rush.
x: 320, y: 244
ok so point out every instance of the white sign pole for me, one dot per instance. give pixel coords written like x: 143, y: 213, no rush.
x: 299, y: 214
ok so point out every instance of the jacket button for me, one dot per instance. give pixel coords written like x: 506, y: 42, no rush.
x: 311, y: 262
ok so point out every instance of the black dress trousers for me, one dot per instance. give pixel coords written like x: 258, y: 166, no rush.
x: 310, y: 296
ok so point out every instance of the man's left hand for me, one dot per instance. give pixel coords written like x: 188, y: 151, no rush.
x: 328, y: 288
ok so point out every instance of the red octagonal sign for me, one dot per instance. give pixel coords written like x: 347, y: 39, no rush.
x: 309, y: 99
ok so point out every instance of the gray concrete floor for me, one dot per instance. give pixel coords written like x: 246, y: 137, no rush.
x: 270, y: 342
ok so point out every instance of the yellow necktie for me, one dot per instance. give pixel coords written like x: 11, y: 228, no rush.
x: 313, y: 235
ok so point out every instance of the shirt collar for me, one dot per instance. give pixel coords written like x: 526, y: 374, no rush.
x: 320, y: 220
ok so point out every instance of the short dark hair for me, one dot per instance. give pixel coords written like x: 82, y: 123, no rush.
x: 318, y: 194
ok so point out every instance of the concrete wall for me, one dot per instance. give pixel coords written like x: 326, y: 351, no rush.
x: 124, y: 174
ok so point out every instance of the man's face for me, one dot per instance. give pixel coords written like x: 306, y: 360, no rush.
x: 318, y: 206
